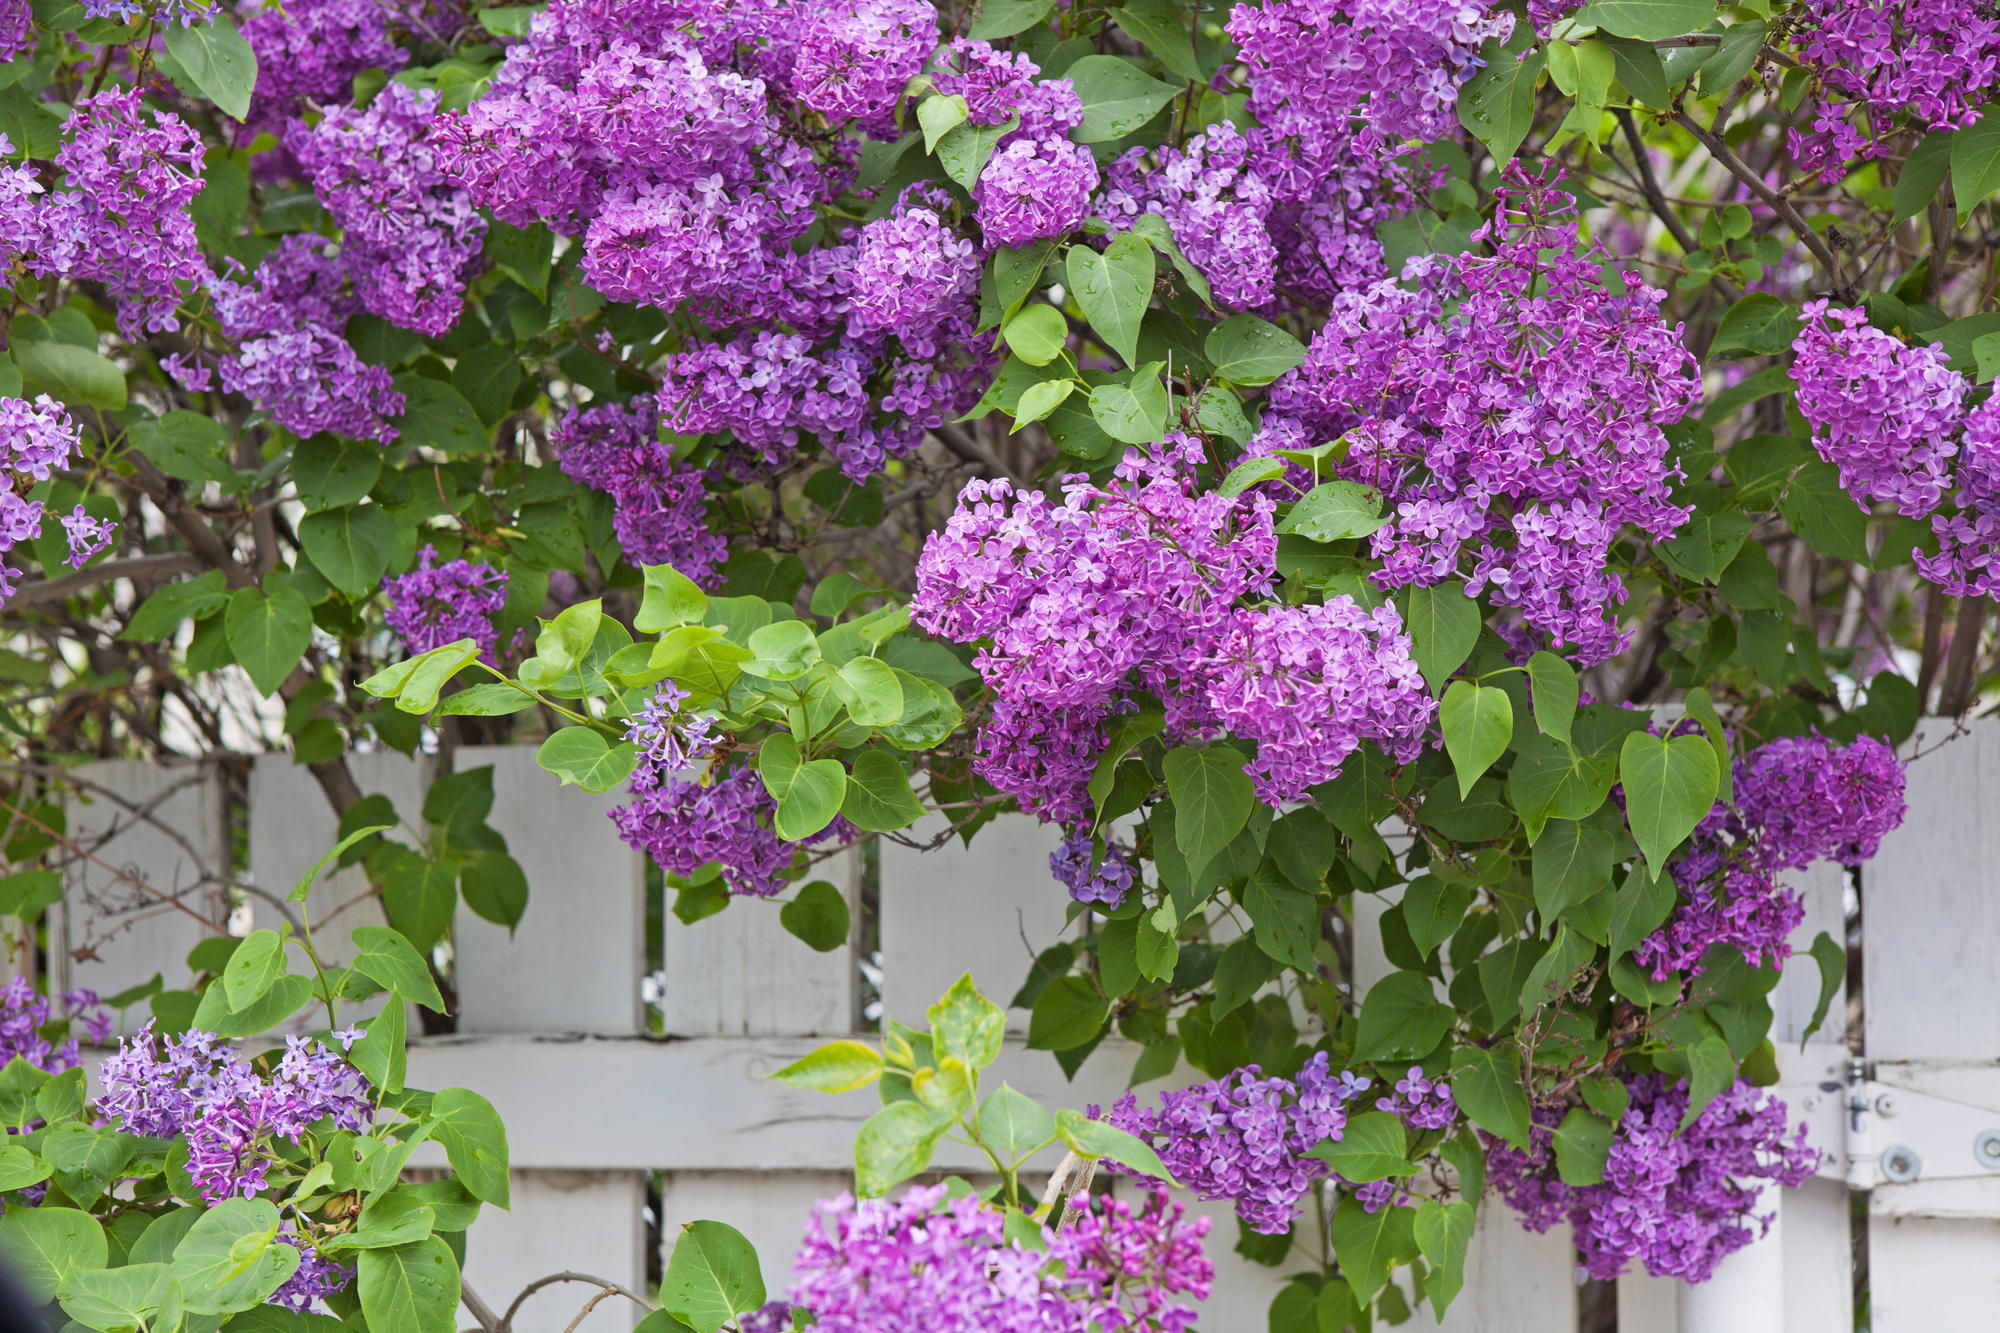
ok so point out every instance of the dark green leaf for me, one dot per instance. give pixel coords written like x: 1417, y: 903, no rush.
x: 1250, y: 351
x: 474, y: 1140
x: 1068, y: 1013
x: 1703, y: 548
x: 161, y: 614
x: 1670, y: 786
x: 217, y: 60
x: 1498, y: 103
x: 1165, y: 31
x: 1478, y: 721
x: 1649, y: 20
x: 1004, y: 18
x: 495, y: 888
x: 1443, y: 624
x: 1825, y: 515
x: 1759, y: 324
x: 1922, y: 175
x: 1117, y: 99
x: 78, y: 377
x: 1213, y: 798
x: 391, y: 960
x: 185, y: 445
x: 1114, y: 287
x: 1572, y: 862
x: 268, y: 635
x: 1640, y: 70
x: 411, y: 1288
x: 1975, y: 163
x: 1372, y: 1147
x: 351, y: 546
x: 1401, y: 1018
x: 1487, y: 1086
x: 1286, y: 919
x: 1583, y: 1146
x: 1443, y: 1232
x: 437, y: 415
x: 1368, y: 1245
x: 1335, y: 510
x: 331, y: 471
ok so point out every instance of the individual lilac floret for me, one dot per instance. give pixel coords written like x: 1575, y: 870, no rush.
x: 659, y: 508
x: 440, y: 603
x: 410, y: 235
x: 856, y: 56
x: 1070, y: 864
x: 122, y: 217
x: 86, y: 536
x: 669, y: 737
x: 1245, y: 1139
x: 1677, y: 1201
x: 1883, y: 413
x: 946, y: 1266
x: 208, y: 1094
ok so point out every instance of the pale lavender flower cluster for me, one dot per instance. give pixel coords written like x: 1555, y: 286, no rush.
x: 1136, y: 586
x: 289, y: 355
x: 669, y: 737
x: 122, y: 218
x: 1884, y: 414
x: 41, y: 438
x: 441, y: 602
x: 1245, y: 1139
x: 856, y: 58
x: 1876, y: 60
x: 24, y: 1013
x: 195, y: 1087
x: 1419, y: 1102
x: 659, y: 508
x: 410, y: 236
x: 1797, y: 800
x: 1511, y: 408
x: 1677, y: 1202
x: 1217, y: 206
x: 923, y: 1264
x: 1070, y: 864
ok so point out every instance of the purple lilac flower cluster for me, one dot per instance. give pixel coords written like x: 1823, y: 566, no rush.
x: 441, y: 602
x: 1419, y: 1102
x: 197, y: 1088
x: 1875, y: 60
x: 289, y: 355
x: 310, y: 50
x: 684, y: 824
x: 41, y: 438
x: 1677, y: 1202
x: 1218, y: 208
x: 122, y: 217
x: 1511, y: 408
x: 925, y: 1264
x: 669, y: 737
x: 855, y: 59
x: 1245, y: 1139
x: 410, y: 237
x: 1136, y: 585
x: 316, y: 1278
x: 911, y: 271
x: 17, y: 29
x: 659, y: 508
x: 1798, y: 800
x: 1070, y: 864
x: 1892, y: 418
x: 23, y: 1015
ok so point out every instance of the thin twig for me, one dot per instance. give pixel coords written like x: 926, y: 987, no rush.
x: 507, y: 1320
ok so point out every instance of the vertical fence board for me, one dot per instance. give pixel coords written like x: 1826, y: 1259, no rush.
x: 580, y: 1221
x: 771, y: 1209
x: 1515, y: 1280
x: 954, y: 909
x: 575, y: 961
x: 127, y: 932
x: 739, y: 973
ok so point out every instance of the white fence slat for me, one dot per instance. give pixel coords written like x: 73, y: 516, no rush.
x: 1822, y: 889
x: 1933, y: 1274
x: 575, y: 961
x: 1648, y: 1304
x: 292, y: 826
x: 1515, y: 1280
x: 578, y: 1221
x: 129, y: 932
x: 954, y: 909
x: 770, y: 1208
x: 739, y: 973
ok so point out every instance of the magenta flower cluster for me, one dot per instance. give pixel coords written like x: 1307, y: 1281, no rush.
x: 441, y: 602
x: 1678, y: 1202
x: 1511, y: 408
x: 1245, y: 1139
x: 1136, y: 586
x: 925, y: 1263
x: 41, y: 439
x: 1893, y: 420
x: 288, y: 353
x: 659, y: 508
x: 1874, y: 62
x: 1798, y: 800
x: 410, y: 237
x: 198, y: 1088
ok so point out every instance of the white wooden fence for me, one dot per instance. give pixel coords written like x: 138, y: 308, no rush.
x: 551, y: 1028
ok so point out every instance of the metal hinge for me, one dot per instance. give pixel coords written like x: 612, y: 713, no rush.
x: 1898, y: 1134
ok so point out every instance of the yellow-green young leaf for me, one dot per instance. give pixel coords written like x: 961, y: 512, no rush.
x: 1373, y: 1147
x: 474, y: 1140
x: 564, y: 641
x: 1670, y: 786
x: 254, y: 968
x: 391, y: 960
x: 1249, y: 472
x: 1443, y: 1232
x: 77, y: 377
x: 583, y: 756
x: 304, y: 886
x: 1553, y: 687
x: 1134, y: 413
x: 671, y: 599
x: 43, y: 1246
x: 1562, y: 67
x: 808, y: 793
x: 1335, y: 510
x: 839, y: 1066
x: 228, y: 1262
x: 1014, y: 1125
x: 1004, y: 18
x: 1096, y: 1138
x: 1478, y: 721
x: 939, y: 116
x: 869, y: 688
x: 1702, y: 708
x: 712, y: 1277
x: 966, y: 1024
x: 945, y: 1091
x: 1041, y: 399
x: 1036, y: 335
x: 1114, y: 288
x: 114, y: 1297
x: 894, y: 1144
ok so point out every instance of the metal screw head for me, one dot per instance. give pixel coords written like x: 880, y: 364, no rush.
x: 1887, y: 1104
x: 1986, y: 1148
x: 1812, y: 1101
x: 1901, y: 1164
